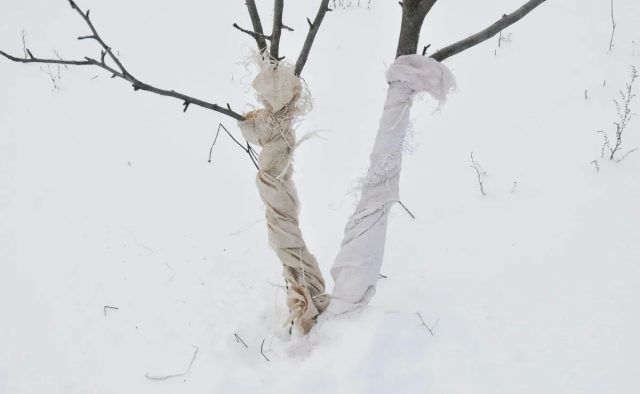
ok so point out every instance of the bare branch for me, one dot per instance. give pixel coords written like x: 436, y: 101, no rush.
x: 24, y: 44
x: 313, y: 30
x: 253, y: 34
x: 47, y: 61
x: 627, y: 154
x: 176, y: 375
x: 257, y: 25
x: 497, y: 27
x: 278, y: 8
x: 121, y: 72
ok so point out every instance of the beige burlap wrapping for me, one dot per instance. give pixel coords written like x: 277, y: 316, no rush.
x: 271, y: 127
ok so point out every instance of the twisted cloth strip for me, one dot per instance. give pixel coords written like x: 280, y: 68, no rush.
x: 357, y: 265
x: 282, y: 95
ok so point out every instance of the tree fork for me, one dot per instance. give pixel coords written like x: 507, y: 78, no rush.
x: 413, y: 15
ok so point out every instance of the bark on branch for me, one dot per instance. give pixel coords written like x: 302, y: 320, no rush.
x: 278, y: 8
x: 257, y: 25
x: 120, y: 71
x: 475, y: 39
x: 413, y: 14
x: 313, y: 30
x: 257, y: 36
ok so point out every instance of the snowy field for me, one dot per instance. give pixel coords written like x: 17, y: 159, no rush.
x: 107, y: 199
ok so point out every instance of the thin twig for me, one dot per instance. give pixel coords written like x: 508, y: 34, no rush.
x: 135, y: 239
x: 239, y: 340
x: 262, y: 351
x: 177, y: 375
x: 170, y: 269
x: 53, y: 77
x: 613, y: 27
x: 605, y: 144
x: 59, y: 57
x: 430, y: 329
x: 480, y: 173
x: 248, y: 149
x: 406, y: 209
x: 240, y: 231
x: 278, y: 8
x: 24, y: 44
x: 109, y: 307
x: 278, y: 286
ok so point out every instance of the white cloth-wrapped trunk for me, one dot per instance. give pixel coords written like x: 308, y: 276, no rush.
x: 283, y: 97
x: 357, y: 265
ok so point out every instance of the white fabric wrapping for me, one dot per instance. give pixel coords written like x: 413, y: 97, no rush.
x: 357, y: 265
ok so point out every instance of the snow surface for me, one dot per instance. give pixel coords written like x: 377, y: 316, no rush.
x: 107, y: 199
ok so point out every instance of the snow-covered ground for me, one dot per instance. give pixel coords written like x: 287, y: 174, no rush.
x: 107, y: 199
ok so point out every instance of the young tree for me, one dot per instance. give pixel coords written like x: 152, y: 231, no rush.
x: 285, y: 100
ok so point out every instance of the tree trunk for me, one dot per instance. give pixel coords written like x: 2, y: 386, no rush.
x: 356, y: 268
x: 413, y: 14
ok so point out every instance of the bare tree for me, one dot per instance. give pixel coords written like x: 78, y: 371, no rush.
x: 304, y: 280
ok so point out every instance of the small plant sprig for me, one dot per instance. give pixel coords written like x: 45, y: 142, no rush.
x: 344, y: 4
x: 480, y: 173
x: 625, y: 114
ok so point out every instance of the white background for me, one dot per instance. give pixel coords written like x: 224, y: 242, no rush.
x: 107, y: 198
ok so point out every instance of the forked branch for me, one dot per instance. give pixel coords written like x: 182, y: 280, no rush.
x: 257, y: 36
x: 311, y: 36
x: 473, y: 40
x: 413, y: 15
x: 119, y: 71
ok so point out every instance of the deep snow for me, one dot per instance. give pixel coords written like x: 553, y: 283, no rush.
x: 107, y: 199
